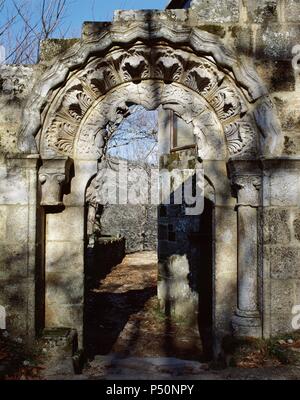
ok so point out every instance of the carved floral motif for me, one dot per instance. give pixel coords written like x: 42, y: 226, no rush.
x: 239, y: 135
x: 75, y: 126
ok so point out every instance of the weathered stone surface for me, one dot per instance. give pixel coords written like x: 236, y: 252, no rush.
x: 282, y: 297
x: 278, y: 75
x: 296, y: 225
x: 13, y: 260
x: 296, y: 295
x: 14, y: 297
x: 262, y: 11
x: 291, y: 145
x: 288, y: 110
x: 222, y: 11
x: 66, y: 226
x: 53, y: 175
x: 239, y: 135
x: 292, y: 10
x: 64, y: 287
x: 285, y: 262
x: 64, y: 315
x: 64, y: 256
x: 275, y: 41
x: 226, y: 287
x: 17, y: 232
x: 3, y: 221
x: 218, y: 30
x: 16, y: 81
x: 242, y: 39
x: 276, y: 226
x: 84, y: 171
x: 226, y: 237
x: 13, y: 186
x: 285, y: 189
x: 52, y: 48
x: 282, y: 302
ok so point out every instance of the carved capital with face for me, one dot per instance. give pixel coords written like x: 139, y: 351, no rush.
x: 53, y: 174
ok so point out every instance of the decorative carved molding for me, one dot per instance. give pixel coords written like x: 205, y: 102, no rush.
x: 53, y: 174
x: 240, y: 136
x: 269, y: 126
x: 81, y: 117
x: 220, y: 87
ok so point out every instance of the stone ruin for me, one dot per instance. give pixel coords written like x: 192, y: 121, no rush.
x: 230, y: 73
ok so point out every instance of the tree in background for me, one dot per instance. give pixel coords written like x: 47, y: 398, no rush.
x: 136, y: 137
x: 23, y: 27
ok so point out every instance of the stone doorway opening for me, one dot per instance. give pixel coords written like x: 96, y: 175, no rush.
x: 148, y: 272
x: 121, y: 253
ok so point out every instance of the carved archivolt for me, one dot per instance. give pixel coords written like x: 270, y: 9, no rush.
x: 224, y: 105
x: 95, y: 100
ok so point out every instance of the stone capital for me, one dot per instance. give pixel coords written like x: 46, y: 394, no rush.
x: 246, y: 180
x: 53, y: 174
x: 247, y: 189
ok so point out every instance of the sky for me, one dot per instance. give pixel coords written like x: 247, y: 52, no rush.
x: 102, y: 10
x: 79, y: 11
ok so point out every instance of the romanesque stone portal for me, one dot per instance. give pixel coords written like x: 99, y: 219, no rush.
x: 52, y: 148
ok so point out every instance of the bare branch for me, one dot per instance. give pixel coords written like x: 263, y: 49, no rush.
x: 136, y: 137
x: 24, y: 30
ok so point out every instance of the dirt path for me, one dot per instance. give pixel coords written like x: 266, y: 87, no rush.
x: 125, y: 318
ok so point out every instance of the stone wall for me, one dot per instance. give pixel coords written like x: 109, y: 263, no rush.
x: 18, y: 225
x: 281, y: 251
x: 18, y: 205
x: 264, y: 33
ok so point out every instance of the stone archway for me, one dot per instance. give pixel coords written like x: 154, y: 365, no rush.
x: 85, y: 95
x: 105, y: 59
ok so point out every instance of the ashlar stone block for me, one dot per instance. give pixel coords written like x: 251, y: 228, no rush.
x: 224, y: 11
x: 292, y: 10
x: 276, y: 226
x: 285, y: 262
x: 67, y: 225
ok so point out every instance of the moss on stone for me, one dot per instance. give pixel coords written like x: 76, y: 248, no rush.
x: 52, y: 48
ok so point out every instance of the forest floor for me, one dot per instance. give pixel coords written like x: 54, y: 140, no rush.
x: 128, y: 337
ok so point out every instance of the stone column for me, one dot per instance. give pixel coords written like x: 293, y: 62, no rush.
x: 65, y: 243
x: 247, y: 321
